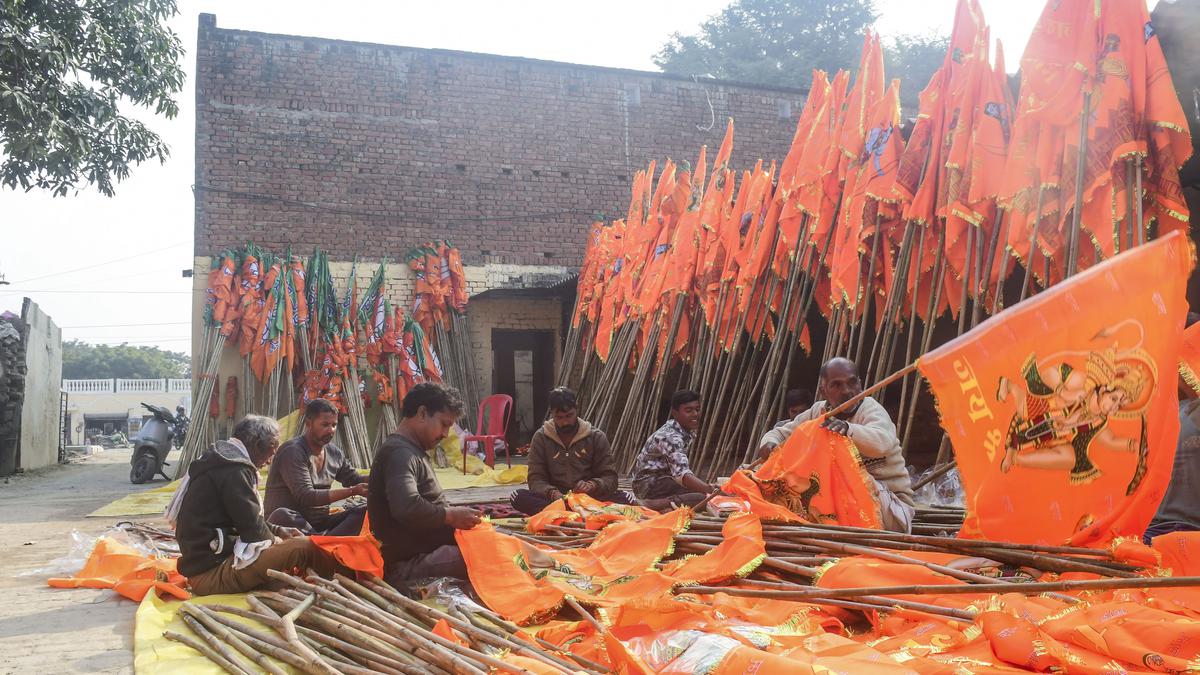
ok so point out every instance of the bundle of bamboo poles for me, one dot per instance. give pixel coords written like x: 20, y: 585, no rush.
x: 323, y: 627
x: 796, y: 552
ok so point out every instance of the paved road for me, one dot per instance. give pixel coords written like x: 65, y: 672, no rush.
x: 45, y: 630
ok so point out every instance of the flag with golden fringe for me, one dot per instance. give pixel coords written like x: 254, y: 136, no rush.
x: 1063, y: 410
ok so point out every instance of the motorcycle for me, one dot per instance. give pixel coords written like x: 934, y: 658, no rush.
x: 110, y: 441
x: 180, y: 428
x: 151, y: 445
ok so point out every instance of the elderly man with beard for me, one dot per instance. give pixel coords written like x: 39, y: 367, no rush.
x: 871, y: 429
x: 567, y: 455
x: 300, y: 483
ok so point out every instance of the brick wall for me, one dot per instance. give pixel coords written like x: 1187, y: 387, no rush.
x: 369, y: 149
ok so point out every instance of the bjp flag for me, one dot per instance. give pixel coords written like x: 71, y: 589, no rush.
x: 1063, y: 410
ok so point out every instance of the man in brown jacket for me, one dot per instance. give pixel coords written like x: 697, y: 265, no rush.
x: 567, y: 455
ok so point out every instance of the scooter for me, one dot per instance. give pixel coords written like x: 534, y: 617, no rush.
x: 151, y: 445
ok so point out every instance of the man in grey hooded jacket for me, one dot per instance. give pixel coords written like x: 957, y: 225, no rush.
x: 567, y: 455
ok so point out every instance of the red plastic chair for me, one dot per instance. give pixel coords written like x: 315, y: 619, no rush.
x: 497, y: 411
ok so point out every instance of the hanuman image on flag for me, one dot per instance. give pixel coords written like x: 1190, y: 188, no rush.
x: 1067, y: 401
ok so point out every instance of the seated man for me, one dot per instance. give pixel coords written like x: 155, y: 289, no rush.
x: 225, y: 545
x: 873, y: 433
x: 662, y: 477
x: 300, y: 483
x: 1179, y: 509
x: 567, y: 454
x: 409, y: 513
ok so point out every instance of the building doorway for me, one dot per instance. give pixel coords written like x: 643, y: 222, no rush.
x: 523, y: 367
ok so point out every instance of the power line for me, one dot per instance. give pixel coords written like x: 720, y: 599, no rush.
x: 129, y: 325
x: 52, y: 290
x: 109, y: 262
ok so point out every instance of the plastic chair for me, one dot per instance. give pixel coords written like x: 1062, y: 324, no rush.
x: 497, y: 410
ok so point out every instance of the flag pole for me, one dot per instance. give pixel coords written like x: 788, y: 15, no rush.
x: 1080, y: 168
x: 1033, y: 245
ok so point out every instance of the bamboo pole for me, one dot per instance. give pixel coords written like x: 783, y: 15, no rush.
x: 1026, y: 588
x: 1080, y: 169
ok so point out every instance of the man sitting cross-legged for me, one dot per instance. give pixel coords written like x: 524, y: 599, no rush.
x: 567, y: 454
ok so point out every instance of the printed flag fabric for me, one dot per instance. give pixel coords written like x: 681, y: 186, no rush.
x: 816, y: 476
x: 1063, y: 410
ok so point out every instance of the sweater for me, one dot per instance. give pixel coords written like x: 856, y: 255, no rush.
x: 405, y: 503
x: 294, y: 482
x: 221, y: 503
x: 586, y: 457
x: 873, y: 433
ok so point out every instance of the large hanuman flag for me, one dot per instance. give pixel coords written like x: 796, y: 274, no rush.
x: 1063, y: 410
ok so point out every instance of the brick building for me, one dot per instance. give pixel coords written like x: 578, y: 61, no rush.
x: 368, y: 150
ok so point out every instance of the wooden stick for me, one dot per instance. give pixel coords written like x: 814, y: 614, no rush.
x: 912, y: 367
x: 937, y: 473
x: 585, y: 615
x: 197, y: 613
x: 1029, y: 588
x: 208, y: 651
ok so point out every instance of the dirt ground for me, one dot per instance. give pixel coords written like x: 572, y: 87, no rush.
x: 52, y: 630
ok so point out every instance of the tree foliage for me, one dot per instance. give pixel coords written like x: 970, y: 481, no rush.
x: 775, y: 42
x: 85, y: 361
x: 780, y: 42
x: 67, y: 67
x: 914, y: 59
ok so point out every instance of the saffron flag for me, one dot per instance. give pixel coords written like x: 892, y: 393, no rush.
x: 816, y: 476
x: 1063, y: 410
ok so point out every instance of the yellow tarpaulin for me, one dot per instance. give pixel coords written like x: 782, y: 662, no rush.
x: 155, y: 655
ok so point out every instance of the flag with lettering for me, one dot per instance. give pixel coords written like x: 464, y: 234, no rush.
x: 1063, y: 410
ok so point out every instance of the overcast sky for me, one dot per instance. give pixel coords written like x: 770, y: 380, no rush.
x: 129, y: 250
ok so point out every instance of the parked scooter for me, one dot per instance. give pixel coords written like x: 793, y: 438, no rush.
x: 151, y: 445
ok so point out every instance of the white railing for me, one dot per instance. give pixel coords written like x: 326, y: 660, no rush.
x: 128, y: 386
x: 88, y: 386
x: 141, y: 386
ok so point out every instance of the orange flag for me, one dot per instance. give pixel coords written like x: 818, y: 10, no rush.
x: 816, y: 476
x: 1063, y: 410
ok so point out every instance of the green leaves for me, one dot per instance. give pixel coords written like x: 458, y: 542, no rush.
x: 87, y: 361
x: 780, y: 42
x: 775, y: 42
x: 67, y: 67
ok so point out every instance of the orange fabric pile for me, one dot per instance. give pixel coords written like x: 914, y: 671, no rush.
x: 816, y: 476
x: 580, y: 509
x: 125, y: 570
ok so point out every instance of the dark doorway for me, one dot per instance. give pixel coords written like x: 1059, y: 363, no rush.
x: 523, y: 367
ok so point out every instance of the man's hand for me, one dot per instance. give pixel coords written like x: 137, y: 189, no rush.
x: 359, y: 490
x: 765, y: 451
x: 553, y: 494
x: 837, y: 426
x: 462, y: 518
x: 289, y: 533
x: 585, y: 486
